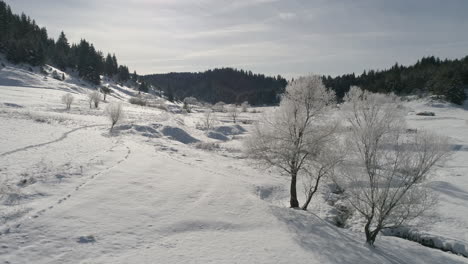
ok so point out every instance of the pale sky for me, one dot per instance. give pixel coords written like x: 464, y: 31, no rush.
x: 286, y: 37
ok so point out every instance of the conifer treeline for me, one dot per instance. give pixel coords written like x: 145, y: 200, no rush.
x: 448, y: 78
x: 227, y: 85
x: 23, y: 41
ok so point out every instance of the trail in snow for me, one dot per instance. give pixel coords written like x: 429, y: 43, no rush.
x: 49, y: 142
x: 32, y: 215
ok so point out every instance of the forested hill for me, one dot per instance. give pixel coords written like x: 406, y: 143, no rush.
x: 23, y: 41
x: 227, y: 85
x: 429, y: 75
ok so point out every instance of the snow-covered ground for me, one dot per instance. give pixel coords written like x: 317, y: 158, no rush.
x: 159, y: 190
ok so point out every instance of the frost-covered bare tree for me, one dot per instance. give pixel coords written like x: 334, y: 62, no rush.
x: 67, y: 99
x: 94, y: 98
x: 233, y: 113
x: 290, y: 138
x: 386, y: 176
x: 115, y: 113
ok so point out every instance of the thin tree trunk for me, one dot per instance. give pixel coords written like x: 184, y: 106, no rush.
x: 311, y: 194
x: 294, y: 202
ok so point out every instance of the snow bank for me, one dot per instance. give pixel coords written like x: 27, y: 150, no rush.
x: 429, y: 240
x: 142, y: 130
x: 230, y: 130
x: 178, y: 134
x: 217, y: 135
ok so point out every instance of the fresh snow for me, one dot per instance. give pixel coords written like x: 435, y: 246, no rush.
x: 159, y: 190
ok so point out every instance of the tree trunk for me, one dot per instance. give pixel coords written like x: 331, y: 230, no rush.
x: 371, y: 235
x: 311, y: 193
x: 294, y: 202
x: 306, y: 204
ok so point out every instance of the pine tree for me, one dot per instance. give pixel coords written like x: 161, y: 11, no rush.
x: 62, y: 50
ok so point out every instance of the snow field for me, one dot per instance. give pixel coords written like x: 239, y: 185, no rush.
x: 146, y: 194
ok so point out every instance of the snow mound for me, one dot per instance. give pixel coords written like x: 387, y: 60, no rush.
x: 143, y: 130
x: 178, y: 134
x: 429, y: 240
x: 230, y: 130
x: 217, y: 135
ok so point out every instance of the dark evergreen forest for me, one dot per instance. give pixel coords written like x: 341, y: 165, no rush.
x: 430, y: 75
x: 23, y: 41
x: 227, y: 85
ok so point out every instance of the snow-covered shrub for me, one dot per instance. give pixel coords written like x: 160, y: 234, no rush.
x: 67, y: 99
x: 233, y: 113
x: 208, y: 121
x: 191, y: 100
x: 219, y: 107
x: 160, y: 104
x: 206, y: 145
x: 105, y: 91
x: 58, y: 76
x: 115, y: 113
x: 186, y: 108
x: 94, y: 98
x: 137, y: 100
x: 245, y: 107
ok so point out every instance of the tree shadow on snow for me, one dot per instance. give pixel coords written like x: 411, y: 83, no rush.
x: 316, y: 235
x: 333, y: 245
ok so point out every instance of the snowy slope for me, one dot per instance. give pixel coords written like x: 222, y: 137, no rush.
x: 75, y: 193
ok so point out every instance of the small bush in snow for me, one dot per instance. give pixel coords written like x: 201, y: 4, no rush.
x: 186, y: 107
x: 207, y: 145
x: 208, y: 121
x: 191, y: 100
x: 57, y: 76
x: 233, y: 113
x: 94, y: 98
x: 137, y: 101
x: 115, y: 112
x: 245, y: 106
x: 105, y: 91
x: 219, y: 107
x: 160, y: 104
x: 67, y: 99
